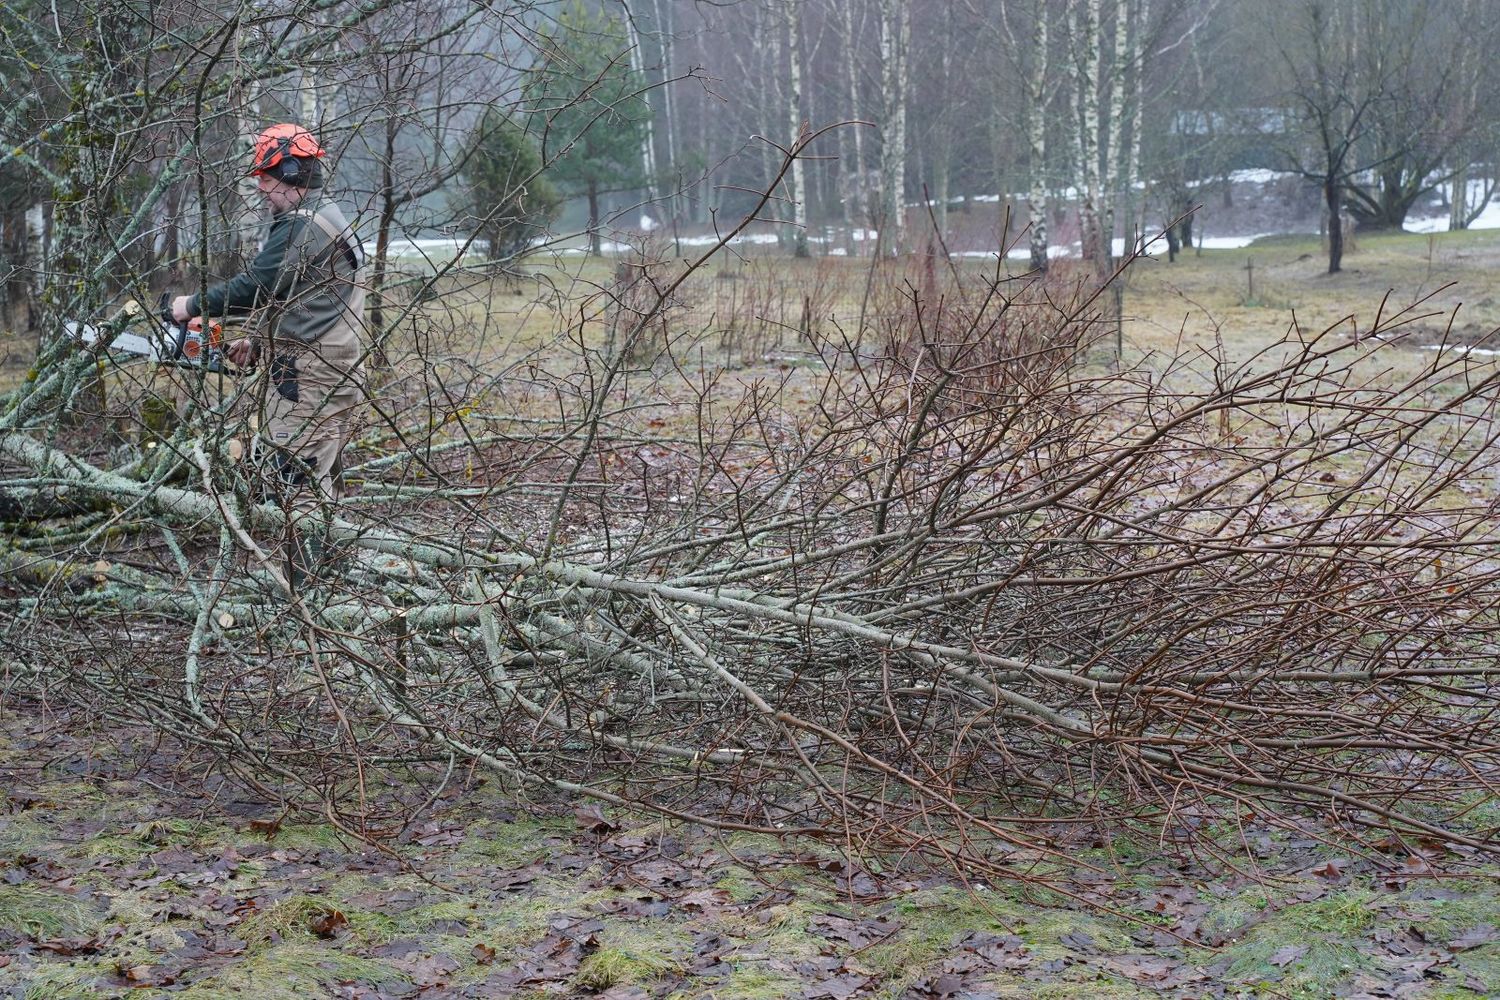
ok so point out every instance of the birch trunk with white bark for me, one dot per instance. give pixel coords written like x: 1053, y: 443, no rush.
x: 895, y: 42
x: 852, y: 141
x: 1036, y: 134
x: 648, y: 134
x: 1084, y: 22
x: 795, y: 124
x: 247, y: 220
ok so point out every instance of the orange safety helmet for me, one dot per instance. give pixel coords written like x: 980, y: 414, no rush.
x: 288, y: 153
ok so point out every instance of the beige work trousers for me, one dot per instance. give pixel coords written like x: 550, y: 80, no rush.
x: 311, y: 413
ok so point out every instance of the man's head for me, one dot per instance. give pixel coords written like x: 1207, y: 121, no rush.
x: 287, y: 155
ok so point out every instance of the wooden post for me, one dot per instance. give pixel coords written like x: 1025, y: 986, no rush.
x: 1249, y: 280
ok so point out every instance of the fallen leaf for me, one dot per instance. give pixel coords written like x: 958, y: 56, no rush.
x: 144, y: 975
x: 1331, y: 870
x: 68, y: 947
x: 483, y: 954
x: 327, y: 923
x: 946, y: 985
x: 1079, y: 941
x: 592, y: 819
x: 1474, y: 937
x: 1286, y: 956
x: 267, y: 828
x: 434, y: 970
x: 1142, y: 968
x: 702, y: 899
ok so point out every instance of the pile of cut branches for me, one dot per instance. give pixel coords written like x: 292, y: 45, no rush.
x: 939, y: 589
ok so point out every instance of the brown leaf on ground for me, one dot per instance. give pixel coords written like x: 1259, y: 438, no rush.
x: 592, y: 819
x: 839, y: 988
x: 1286, y: 956
x: 267, y: 828
x: 705, y: 899
x: 1143, y: 968
x: 433, y: 970
x: 147, y: 975
x: 945, y: 985
x: 1474, y: 937
x: 68, y: 947
x: 1331, y: 870
x: 1079, y: 942
x: 327, y: 923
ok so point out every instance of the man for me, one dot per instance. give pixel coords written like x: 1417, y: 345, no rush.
x: 305, y: 279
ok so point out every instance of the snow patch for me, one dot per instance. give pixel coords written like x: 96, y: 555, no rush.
x: 437, y: 250
x: 1482, y: 351
x: 1488, y: 219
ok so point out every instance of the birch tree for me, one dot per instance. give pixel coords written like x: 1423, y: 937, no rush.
x: 895, y: 44
x: 854, y: 186
x: 1085, y: 32
x: 1033, y: 66
x: 637, y: 54
x: 797, y: 124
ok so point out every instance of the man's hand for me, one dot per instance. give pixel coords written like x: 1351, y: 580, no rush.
x: 241, y: 353
x: 180, y: 308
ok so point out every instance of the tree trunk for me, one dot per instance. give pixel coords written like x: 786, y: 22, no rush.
x: 663, y: 13
x: 1335, y: 228
x: 852, y: 140
x: 942, y: 144
x: 1458, y: 203
x: 648, y: 137
x: 596, y: 247
x: 795, y: 122
x: 1094, y: 242
x: 1036, y: 132
x: 383, y: 242
x: 247, y: 220
x: 1141, y: 21
x: 1114, y: 186
x: 895, y: 39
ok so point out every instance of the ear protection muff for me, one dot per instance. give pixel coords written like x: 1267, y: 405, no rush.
x: 290, y: 154
x: 287, y: 167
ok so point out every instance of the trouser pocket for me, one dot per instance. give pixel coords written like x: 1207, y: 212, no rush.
x: 284, y: 378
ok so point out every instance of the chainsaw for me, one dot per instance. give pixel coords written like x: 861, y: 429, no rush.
x: 194, y: 343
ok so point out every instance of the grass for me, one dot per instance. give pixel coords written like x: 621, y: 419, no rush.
x: 292, y: 970
x: 42, y: 913
x: 749, y: 980
x: 630, y: 954
x: 516, y: 844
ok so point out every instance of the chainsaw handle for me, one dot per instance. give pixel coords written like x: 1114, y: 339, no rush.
x: 164, y: 309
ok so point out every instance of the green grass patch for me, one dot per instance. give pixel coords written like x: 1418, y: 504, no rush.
x: 292, y: 970
x: 42, y: 913
x: 516, y: 844
x: 631, y: 954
